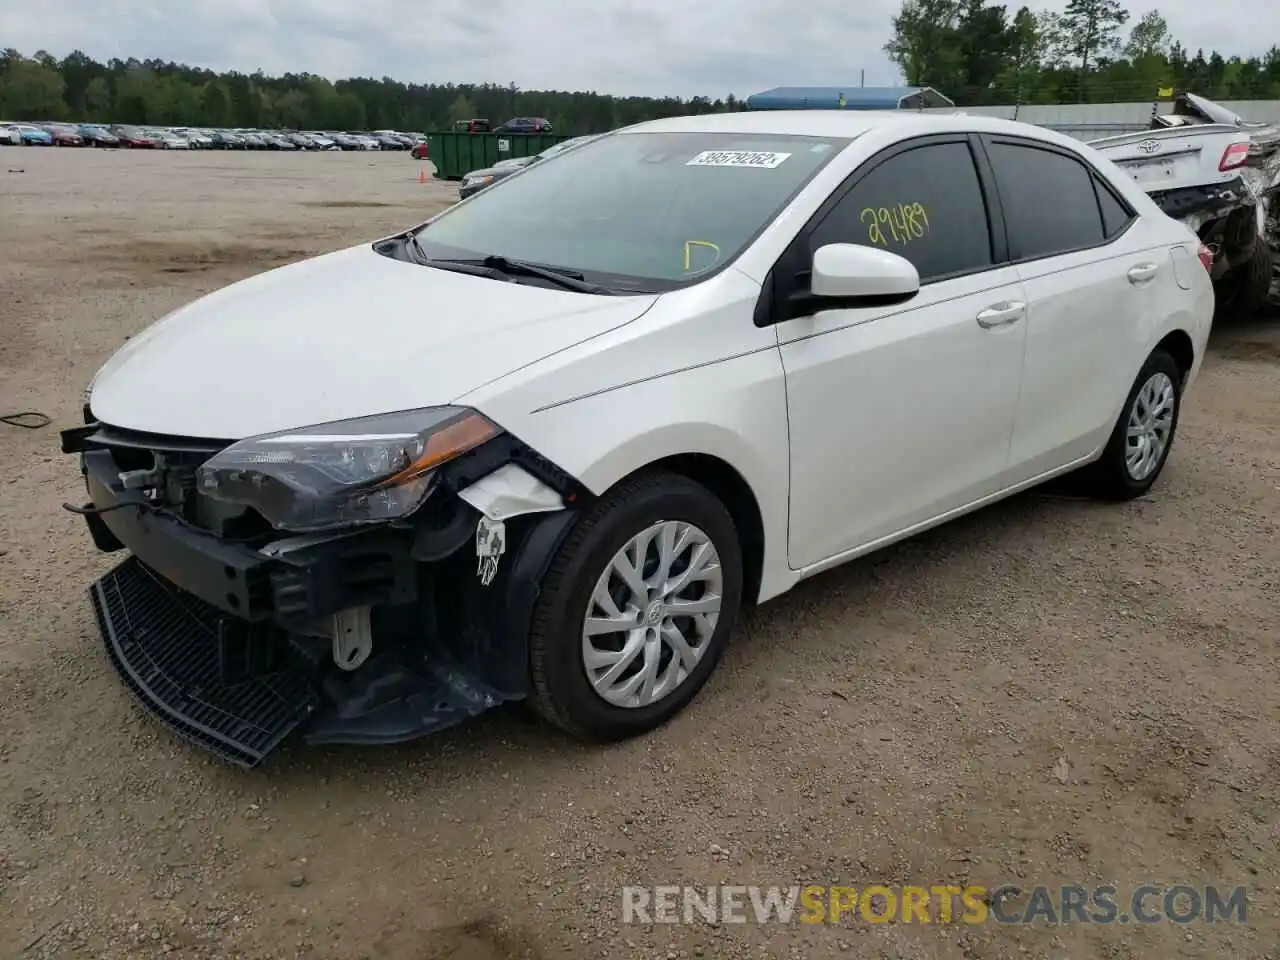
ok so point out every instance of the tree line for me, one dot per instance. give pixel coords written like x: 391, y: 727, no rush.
x: 161, y: 93
x: 980, y: 53
x: 974, y: 51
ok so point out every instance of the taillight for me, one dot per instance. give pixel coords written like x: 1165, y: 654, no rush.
x: 1206, y: 257
x: 1234, y: 156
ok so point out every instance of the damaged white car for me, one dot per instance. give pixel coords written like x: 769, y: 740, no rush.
x: 681, y: 369
x: 1205, y: 166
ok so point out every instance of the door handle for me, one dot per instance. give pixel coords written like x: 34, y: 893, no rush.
x: 1142, y: 273
x: 1002, y: 314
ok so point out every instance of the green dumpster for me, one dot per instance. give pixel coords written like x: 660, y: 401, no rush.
x: 457, y: 154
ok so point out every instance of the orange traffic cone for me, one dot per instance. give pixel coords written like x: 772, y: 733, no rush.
x: 422, y: 176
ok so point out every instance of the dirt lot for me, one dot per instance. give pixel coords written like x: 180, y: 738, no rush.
x: 905, y: 719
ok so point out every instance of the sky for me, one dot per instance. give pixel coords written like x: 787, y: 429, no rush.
x: 652, y: 48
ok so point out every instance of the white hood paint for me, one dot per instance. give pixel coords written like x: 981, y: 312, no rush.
x: 344, y: 335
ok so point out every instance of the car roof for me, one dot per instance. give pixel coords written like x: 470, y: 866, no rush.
x: 846, y: 123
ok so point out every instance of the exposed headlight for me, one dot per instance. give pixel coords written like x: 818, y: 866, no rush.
x: 344, y: 474
x: 477, y: 181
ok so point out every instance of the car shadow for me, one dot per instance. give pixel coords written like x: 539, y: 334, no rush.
x: 514, y: 742
x: 1256, y: 338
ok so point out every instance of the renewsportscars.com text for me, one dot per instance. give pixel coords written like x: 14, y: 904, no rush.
x: 943, y: 904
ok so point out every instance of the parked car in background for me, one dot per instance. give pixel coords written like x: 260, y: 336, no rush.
x: 64, y: 134
x: 168, y: 140
x: 420, y: 151
x: 477, y: 180
x: 321, y: 141
x: 354, y: 141
x: 402, y: 141
x: 1220, y: 176
x: 9, y: 135
x: 199, y: 139
x: 30, y: 135
x: 226, y: 140
x: 524, y: 125
x: 278, y: 141
x: 96, y: 135
x: 135, y: 138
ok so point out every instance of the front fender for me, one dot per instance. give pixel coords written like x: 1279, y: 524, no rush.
x: 735, y: 411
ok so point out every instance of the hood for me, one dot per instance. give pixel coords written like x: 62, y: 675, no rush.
x: 343, y: 335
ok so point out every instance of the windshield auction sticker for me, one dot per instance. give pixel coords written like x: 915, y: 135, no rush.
x: 738, y: 158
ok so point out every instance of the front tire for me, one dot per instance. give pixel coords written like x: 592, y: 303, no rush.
x: 1143, y: 435
x: 636, y: 609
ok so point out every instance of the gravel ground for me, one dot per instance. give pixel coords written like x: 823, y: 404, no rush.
x: 1050, y: 691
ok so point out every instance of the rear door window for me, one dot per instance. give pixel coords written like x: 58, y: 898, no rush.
x: 1049, y: 201
x: 925, y: 204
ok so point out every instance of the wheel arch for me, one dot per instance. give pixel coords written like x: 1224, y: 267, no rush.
x: 742, y: 459
x: 731, y: 488
x: 1178, y: 344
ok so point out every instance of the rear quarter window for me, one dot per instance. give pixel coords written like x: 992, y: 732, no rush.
x: 1116, y: 215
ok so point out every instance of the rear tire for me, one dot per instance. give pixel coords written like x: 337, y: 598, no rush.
x: 635, y: 517
x: 1245, y: 290
x: 1143, y: 436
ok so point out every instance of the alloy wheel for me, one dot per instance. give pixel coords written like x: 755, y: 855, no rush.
x: 1150, y: 426
x: 652, y: 614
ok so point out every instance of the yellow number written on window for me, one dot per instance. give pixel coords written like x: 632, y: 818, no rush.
x: 897, y: 225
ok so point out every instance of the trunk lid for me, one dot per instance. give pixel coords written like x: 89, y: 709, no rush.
x: 1176, y: 157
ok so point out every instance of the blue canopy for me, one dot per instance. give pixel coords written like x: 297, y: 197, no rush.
x: 851, y: 97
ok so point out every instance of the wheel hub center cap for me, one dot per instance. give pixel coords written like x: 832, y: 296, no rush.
x: 653, y: 614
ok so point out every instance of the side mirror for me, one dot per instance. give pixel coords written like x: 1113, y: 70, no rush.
x: 854, y: 273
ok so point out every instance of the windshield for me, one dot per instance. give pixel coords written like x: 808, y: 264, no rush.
x: 648, y: 211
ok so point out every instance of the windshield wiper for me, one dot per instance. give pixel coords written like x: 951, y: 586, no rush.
x: 568, y: 279
x: 412, y: 251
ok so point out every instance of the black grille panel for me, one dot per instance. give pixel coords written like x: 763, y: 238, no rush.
x: 165, y: 644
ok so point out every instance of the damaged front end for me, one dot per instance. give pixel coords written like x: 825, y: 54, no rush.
x: 374, y: 616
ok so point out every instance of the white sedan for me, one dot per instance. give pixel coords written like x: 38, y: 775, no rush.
x: 169, y: 140
x: 196, y: 139
x: 685, y: 367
